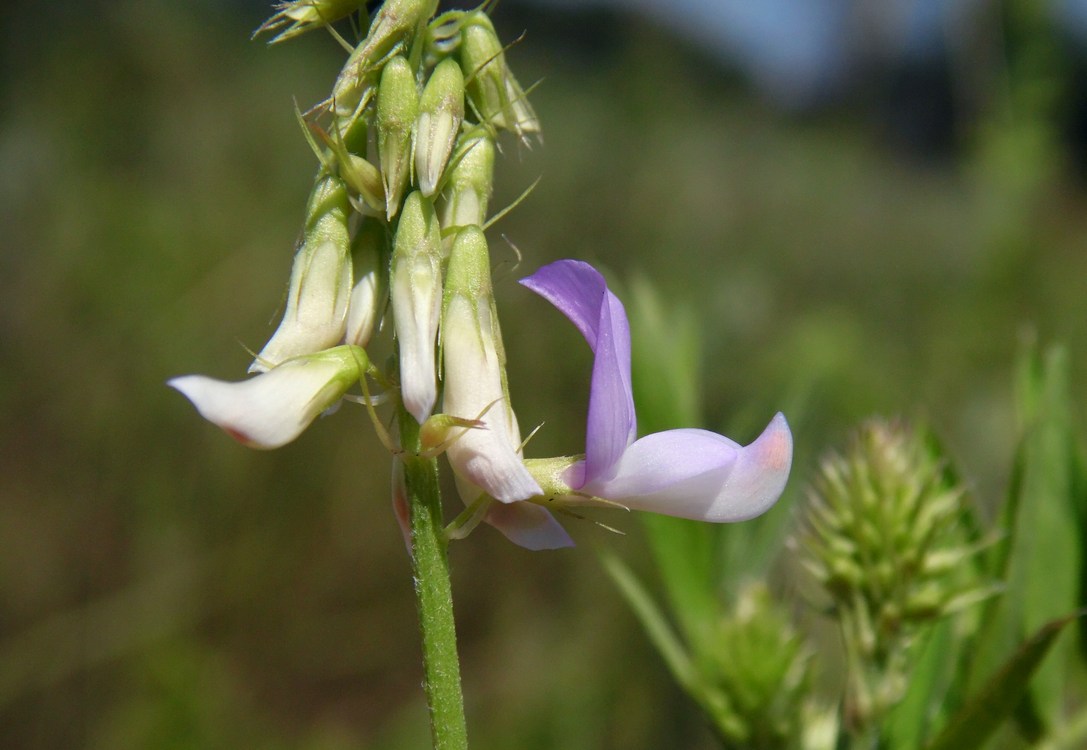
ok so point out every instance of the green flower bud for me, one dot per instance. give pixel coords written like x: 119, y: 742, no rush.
x: 392, y: 30
x: 327, y: 209
x: 362, y: 177
x: 397, y: 108
x: 441, y: 111
x: 299, y: 16
x: 320, y: 286
x: 471, y: 181
x: 492, y: 88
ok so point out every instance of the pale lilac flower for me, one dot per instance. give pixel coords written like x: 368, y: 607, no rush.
x: 273, y: 408
x: 688, y: 473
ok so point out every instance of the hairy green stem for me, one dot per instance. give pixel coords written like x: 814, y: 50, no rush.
x: 433, y: 593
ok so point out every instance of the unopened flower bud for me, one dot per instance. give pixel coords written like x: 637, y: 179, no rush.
x: 485, y: 459
x: 416, y: 289
x: 470, y: 181
x: 441, y: 111
x: 397, y: 108
x: 392, y: 29
x: 362, y: 177
x: 299, y: 16
x: 273, y: 408
x: 320, y: 285
x: 370, y: 259
x: 495, y: 93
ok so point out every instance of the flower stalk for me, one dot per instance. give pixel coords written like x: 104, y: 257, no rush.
x: 433, y: 592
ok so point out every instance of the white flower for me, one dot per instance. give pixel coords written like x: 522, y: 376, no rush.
x: 416, y: 290
x: 486, y: 458
x: 320, y: 287
x: 272, y: 409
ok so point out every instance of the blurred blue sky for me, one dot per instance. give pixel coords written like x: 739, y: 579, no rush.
x: 799, y: 52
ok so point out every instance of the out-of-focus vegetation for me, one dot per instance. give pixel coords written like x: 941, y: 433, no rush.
x: 161, y: 586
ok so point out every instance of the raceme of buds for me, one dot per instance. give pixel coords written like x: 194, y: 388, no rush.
x: 320, y: 286
x: 441, y: 110
x: 416, y: 290
x: 491, y: 86
x: 397, y: 108
x: 370, y: 258
x: 468, y: 190
x: 421, y: 99
x: 273, y: 408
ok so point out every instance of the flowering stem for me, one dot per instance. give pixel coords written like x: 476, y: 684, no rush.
x: 433, y: 593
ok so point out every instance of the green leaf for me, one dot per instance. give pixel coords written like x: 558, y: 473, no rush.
x: 656, y: 625
x: 1047, y: 558
x: 1072, y: 736
x: 712, y: 701
x: 1042, y: 556
x: 665, y: 357
x: 989, y: 708
x: 908, y: 724
x: 684, y: 556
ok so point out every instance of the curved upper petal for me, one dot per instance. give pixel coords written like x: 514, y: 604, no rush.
x: 580, y: 293
x: 575, y: 288
x: 701, y: 475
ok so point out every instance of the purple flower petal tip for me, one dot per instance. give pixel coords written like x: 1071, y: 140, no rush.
x: 759, y: 476
x: 576, y: 289
x: 528, y: 526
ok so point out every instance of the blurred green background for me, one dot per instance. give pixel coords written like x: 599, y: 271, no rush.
x: 161, y: 586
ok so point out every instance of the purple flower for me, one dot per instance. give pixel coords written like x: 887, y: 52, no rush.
x: 688, y: 473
